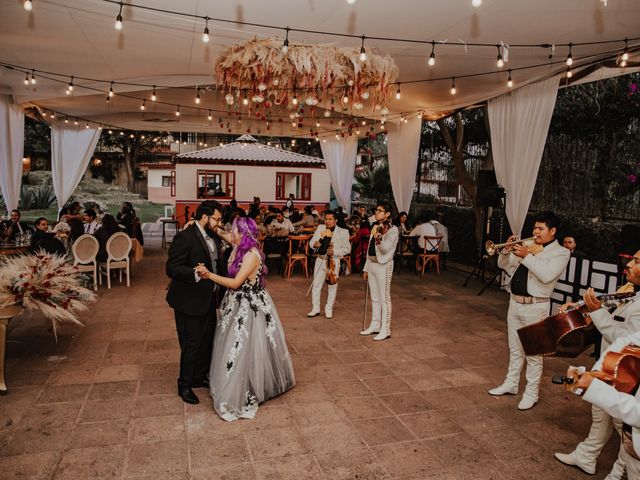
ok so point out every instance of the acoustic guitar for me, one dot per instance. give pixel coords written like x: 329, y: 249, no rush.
x: 568, y: 333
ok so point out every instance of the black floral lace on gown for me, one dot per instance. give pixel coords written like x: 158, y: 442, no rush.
x: 250, y: 361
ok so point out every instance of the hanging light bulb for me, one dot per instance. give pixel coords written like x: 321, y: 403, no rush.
x: 570, y: 56
x: 345, y: 98
x: 119, y: 19
x: 26, y: 79
x: 205, y: 34
x: 625, y: 53
x: 623, y: 62
x: 293, y: 141
x: 69, y: 87
x: 351, y: 2
x: 111, y: 90
x: 154, y: 97
x: 317, y: 123
x: 143, y: 106
x: 197, y: 100
x: 33, y: 77
x: 66, y: 119
x: 75, y: 122
x: 294, y: 100
x: 86, y: 125
x: 285, y: 45
x: 363, y: 53
x: 108, y: 98
x: 398, y: 93
x: 178, y: 111
x: 509, y: 80
x: 476, y: 3
x: 500, y: 62
x: 245, y: 100
x: 432, y: 57
x: 569, y: 73
x: 52, y: 115
x: 28, y: 5
x: 209, y: 117
x: 453, y: 85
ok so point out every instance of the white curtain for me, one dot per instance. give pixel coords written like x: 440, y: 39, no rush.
x: 11, y: 151
x: 71, y: 150
x: 403, y: 145
x: 340, y: 159
x: 519, y: 125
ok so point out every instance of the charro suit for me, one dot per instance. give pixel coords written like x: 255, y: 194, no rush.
x: 193, y: 300
x: 341, y: 247
x: 544, y: 270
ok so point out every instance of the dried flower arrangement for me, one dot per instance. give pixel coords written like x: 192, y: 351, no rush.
x: 317, y: 73
x: 46, y: 283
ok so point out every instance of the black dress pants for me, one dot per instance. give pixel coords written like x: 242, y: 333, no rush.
x: 195, y: 334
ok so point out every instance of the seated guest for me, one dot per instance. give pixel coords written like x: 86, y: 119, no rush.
x: 90, y: 221
x: 424, y: 228
x: 282, y: 227
x: 130, y: 222
x: 13, y: 227
x: 42, y: 239
x: 270, y: 216
x: 308, y: 220
x: 109, y: 227
x: 76, y: 229
x: 401, y: 222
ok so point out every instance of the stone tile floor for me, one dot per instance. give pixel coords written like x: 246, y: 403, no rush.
x: 101, y: 402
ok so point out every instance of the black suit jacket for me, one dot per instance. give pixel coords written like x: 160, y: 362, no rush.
x: 185, y: 295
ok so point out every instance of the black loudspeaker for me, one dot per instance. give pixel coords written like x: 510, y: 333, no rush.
x: 488, y: 193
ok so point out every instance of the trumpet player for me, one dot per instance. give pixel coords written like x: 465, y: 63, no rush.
x: 329, y: 240
x: 534, y: 270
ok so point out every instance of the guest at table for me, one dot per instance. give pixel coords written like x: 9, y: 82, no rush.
x: 308, y: 220
x: 42, y: 239
x: 282, y: 227
x: 401, y: 222
x: 129, y: 220
x: 90, y: 221
x: 424, y: 228
x: 109, y: 228
x: 74, y: 210
x: 13, y: 227
x: 76, y: 229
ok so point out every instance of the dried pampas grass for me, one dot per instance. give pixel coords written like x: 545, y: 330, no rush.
x: 323, y: 70
x: 46, y: 283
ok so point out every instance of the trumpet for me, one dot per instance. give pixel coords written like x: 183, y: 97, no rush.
x: 493, y: 248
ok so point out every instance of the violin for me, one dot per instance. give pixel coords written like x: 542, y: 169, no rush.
x: 325, y: 241
x: 379, y: 230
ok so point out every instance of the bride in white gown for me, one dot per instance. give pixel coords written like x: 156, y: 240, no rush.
x: 250, y: 361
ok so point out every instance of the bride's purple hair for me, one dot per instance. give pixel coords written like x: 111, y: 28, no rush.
x: 248, y: 231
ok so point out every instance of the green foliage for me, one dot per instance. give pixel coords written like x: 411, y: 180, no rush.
x: 374, y: 182
x: 37, y: 136
x: 36, y: 198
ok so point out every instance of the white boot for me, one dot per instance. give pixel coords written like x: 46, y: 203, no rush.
x: 315, y: 311
x: 374, y: 327
x: 385, y: 331
x: 573, y: 460
x: 504, y: 389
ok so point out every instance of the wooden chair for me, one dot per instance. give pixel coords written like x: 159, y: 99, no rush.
x: 84, y: 250
x: 118, y: 248
x: 406, y: 250
x: 431, y: 253
x: 298, y: 253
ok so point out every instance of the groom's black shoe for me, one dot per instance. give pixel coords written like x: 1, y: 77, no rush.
x: 201, y: 384
x: 187, y: 395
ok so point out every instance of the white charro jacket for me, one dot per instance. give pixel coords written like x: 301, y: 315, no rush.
x: 340, y: 240
x: 386, y: 249
x: 544, y: 268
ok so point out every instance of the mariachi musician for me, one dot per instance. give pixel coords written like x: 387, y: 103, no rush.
x: 622, y: 322
x: 329, y: 243
x: 378, y: 270
x: 534, y: 270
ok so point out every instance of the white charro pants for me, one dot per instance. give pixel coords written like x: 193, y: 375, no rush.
x: 319, y: 275
x: 589, y: 449
x: 379, y: 279
x: 624, y: 461
x: 518, y: 316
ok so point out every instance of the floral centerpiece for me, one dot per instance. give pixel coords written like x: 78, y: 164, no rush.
x: 46, y: 283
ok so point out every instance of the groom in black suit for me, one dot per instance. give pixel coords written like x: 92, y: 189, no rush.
x: 194, y: 299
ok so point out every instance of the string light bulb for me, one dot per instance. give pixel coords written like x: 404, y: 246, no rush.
x: 351, y: 2
x: 28, y: 5
x: 432, y: 57
x: 398, y: 93
x: 625, y: 53
x: 33, y: 77
x: 294, y: 100
x: 285, y: 44
x: 197, y: 100
x: 569, y: 73
x: 570, y: 56
x: 143, y: 106
x: 111, y: 90
x: 363, y: 53
x: 476, y: 3
x: 500, y: 61
x: 26, y: 79
x: 245, y: 100
x: 509, y: 80
x: 453, y: 86
x: 154, y: 97
x: 118, y: 24
x: 205, y: 34
x: 178, y: 111
x: 209, y: 117
x: 66, y: 119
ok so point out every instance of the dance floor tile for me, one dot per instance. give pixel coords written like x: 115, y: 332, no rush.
x: 102, y: 403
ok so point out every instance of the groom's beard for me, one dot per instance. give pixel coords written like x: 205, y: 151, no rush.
x: 210, y: 231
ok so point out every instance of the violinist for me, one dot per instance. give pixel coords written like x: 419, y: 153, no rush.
x: 622, y: 322
x: 534, y: 270
x: 329, y: 242
x: 378, y: 270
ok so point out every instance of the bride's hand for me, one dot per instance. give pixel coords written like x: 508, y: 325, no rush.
x: 202, y: 271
